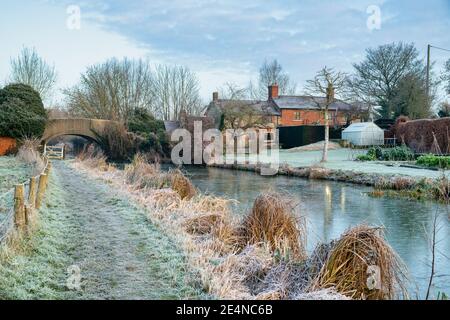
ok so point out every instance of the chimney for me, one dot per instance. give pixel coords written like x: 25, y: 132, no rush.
x: 215, y: 96
x: 273, y: 91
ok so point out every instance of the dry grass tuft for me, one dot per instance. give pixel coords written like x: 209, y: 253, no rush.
x: 272, y: 221
x: 166, y: 199
x: 317, y: 172
x: 323, y: 294
x: 377, y: 193
x: 93, y: 158
x: 402, y: 183
x: 212, y: 215
x: 245, y: 269
x: 204, y: 223
x: 182, y: 185
x: 29, y: 153
x: 142, y: 174
x: 346, y: 268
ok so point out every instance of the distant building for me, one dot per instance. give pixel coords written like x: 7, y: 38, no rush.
x: 364, y: 134
x: 283, y: 110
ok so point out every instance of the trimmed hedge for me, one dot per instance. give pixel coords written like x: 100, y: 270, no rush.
x: 22, y: 113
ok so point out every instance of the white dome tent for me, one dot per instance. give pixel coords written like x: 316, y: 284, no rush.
x: 364, y: 134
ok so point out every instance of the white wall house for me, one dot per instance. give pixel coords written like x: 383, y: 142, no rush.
x: 364, y: 134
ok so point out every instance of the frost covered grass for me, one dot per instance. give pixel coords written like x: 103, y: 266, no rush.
x: 86, y: 223
x: 35, y: 267
x: 12, y: 172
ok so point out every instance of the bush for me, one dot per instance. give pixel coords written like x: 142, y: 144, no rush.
x: 152, y: 130
x: 365, y: 157
x: 431, y: 160
x: 117, y: 143
x: 375, y: 152
x: 27, y: 94
x: 402, y: 153
x: 22, y: 112
x: 142, y: 121
x: 18, y: 121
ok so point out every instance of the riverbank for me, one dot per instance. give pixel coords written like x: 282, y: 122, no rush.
x: 419, y: 184
x: 344, y: 160
x: 87, y: 225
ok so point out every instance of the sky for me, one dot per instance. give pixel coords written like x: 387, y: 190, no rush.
x: 220, y: 40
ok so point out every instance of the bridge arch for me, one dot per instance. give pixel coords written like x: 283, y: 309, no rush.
x: 86, y: 128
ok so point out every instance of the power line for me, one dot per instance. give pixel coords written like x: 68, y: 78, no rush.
x: 448, y: 50
x: 428, y: 67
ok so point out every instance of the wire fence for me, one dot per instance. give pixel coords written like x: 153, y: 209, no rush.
x: 14, y: 205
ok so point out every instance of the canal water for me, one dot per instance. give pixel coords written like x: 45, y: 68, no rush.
x: 332, y: 207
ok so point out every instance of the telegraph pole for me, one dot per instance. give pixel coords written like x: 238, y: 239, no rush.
x: 428, y: 73
x: 429, y: 67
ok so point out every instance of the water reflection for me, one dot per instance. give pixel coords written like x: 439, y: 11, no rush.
x: 333, y: 207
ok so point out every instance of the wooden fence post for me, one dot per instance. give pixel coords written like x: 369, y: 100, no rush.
x: 19, y: 206
x: 49, y: 167
x: 28, y: 213
x: 41, y: 190
x: 32, y: 192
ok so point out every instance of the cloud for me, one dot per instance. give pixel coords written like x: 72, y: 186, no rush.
x: 227, y: 40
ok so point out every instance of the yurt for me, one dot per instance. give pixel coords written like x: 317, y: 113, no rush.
x: 364, y: 134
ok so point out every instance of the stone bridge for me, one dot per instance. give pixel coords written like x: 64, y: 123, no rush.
x: 86, y: 128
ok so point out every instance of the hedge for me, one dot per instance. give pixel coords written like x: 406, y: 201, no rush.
x: 22, y: 113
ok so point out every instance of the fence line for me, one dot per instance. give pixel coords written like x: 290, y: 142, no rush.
x: 24, y: 198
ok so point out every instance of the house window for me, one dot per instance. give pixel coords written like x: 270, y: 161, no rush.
x: 334, y: 117
x: 297, y: 115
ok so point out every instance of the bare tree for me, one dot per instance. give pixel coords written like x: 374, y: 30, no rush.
x: 377, y: 77
x: 322, y: 91
x: 176, y: 89
x: 238, y: 111
x: 356, y: 111
x: 29, y: 68
x: 112, y: 90
x: 272, y: 72
x: 232, y: 91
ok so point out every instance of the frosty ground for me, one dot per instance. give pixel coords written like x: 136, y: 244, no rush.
x: 12, y: 172
x: 343, y: 159
x: 121, y: 255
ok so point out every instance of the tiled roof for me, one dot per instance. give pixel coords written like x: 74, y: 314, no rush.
x: 264, y: 107
x: 307, y: 102
x: 171, y: 125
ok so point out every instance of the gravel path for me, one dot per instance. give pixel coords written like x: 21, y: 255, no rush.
x: 121, y: 255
